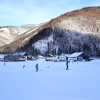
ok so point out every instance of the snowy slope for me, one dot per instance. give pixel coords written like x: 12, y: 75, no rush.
x: 51, y: 82
x: 10, y: 33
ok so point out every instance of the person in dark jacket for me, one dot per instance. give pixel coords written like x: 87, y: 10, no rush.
x: 36, y: 67
x: 67, y: 63
x: 23, y: 66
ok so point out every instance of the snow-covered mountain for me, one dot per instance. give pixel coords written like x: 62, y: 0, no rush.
x: 10, y: 33
x: 78, y: 30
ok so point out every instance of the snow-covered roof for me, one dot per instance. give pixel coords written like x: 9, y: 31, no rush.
x: 67, y: 55
x: 40, y: 56
x: 19, y: 53
x: 76, y: 54
x: 50, y: 55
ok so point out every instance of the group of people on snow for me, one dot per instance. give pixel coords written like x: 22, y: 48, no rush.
x: 36, y: 66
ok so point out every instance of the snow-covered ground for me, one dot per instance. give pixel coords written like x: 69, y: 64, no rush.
x: 51, y: 82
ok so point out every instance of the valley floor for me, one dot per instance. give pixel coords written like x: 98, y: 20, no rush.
x: 51, y: 82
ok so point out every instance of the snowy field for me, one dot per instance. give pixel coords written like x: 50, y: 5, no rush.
x: 51, y: 82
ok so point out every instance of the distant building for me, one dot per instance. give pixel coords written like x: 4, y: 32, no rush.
x: 77, y: 56
x: 62, y: 57
x: 49, y: 57
x: 18, y: 56
x: 40, y: 57
x: 55, y: 58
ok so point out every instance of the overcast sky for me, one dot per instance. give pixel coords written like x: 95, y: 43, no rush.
x: 20, y: 12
